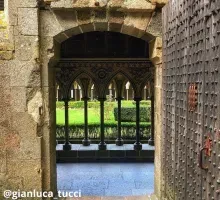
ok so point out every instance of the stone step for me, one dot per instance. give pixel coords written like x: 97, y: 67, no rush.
x: 91, y: 153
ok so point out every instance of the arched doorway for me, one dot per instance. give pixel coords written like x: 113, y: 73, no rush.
x: 100, y: 59
x: 51, y: 42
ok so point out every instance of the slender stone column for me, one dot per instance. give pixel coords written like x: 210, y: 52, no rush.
x: 67, y: 145
x: 119, y: 83
x: 137, y: 144
x: 102, y: 144
x: 86, y: 141
x: 119, y: 141
x: 151, y: 140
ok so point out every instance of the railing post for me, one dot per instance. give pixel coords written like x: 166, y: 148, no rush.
x: 151, y: 140
x: 86, y: 141
x: 102, y: 144
x: 119, y: 141
x: 67, y: 145
x: 137, y: 144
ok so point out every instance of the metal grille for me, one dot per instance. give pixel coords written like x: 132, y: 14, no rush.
x: 191, y: 37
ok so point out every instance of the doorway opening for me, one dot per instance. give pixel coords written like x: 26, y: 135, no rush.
x: 105, y: 112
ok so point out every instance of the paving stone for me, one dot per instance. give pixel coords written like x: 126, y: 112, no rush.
x: 107, y: 179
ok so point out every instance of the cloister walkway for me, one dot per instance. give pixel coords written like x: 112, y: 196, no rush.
x: 107, y: 179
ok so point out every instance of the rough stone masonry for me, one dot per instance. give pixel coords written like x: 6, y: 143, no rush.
x: 30, y: 35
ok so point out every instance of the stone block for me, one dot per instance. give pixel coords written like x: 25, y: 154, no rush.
x: 73, y: 31
x: 27, y: 130
x: 35, y: 103
x: 138, y: 20
x: 29, y: 171
x: 138, y: 6
x: 67, y: 18
x: 77, y: 4
x: 12, y: 13
x: 4, y: 81
x: 26, y: 48
x: 115, y: 27
x: 22, y: 3
x: 18, y: 99
x: 49, y: 26
x: 6, y: 55
x: 116, y: 19
x: 156, y: 50
x: 28, y: 21
x: 159, y: 3
x: 5, y: 102
x: 100, y: 16
x: 87, y: 27
x: 6, y: 46
x: 24, y: 74
x: 129, y: 30
x: 84, y: 17
x: 101, y: 26
x: 3, y: 157
x: 155, y: 26
x: 115, y: 4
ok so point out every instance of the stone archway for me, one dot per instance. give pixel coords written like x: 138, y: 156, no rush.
x: 56, y: 27
x: 30, y: 39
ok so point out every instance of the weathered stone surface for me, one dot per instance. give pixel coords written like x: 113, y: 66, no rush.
x: 79, y: 4
x: 26, y: 48
x: 156, y: 50
x: 26, y: 127
x: 155, y: 26
x: 49, y: 24
x: 138, y: 5
x: 159, y: 2
x: 84, y: 16
x: 66, y: 19
x: 27, y: 104
x: 18, y: 99
x: 4, y: 81
x: 28, y: 21
x: 30, y: 169
x: 34, y: 105
x: 6, y: 55
x: 24, y: 74
x: 129, y: 30
x: 116, y: 19
x: 115, y: 4
x: 138, y: 20
x: 131, y: 5
x: 2, y: 155
x: 6, y: 46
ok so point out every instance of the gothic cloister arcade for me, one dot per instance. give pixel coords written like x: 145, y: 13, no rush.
x: 102, y: 72
x: 37, y: 54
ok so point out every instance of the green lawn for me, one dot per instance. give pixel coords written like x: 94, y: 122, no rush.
x: 76, y: 115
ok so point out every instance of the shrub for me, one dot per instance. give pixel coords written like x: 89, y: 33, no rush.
x: 143, y: 103
x: 128, y: 131
x: 129, y: 114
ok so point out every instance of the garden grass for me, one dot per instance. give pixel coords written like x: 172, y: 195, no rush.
x: 76, y: 117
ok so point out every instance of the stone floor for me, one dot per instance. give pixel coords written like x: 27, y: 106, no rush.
x: 107, y: 180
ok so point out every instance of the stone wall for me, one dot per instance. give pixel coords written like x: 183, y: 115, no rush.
x: 191, y: 100
x: 30, y: 35
x: 20, y: 89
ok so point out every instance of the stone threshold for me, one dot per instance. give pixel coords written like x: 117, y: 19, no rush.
x: 80, y: 153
